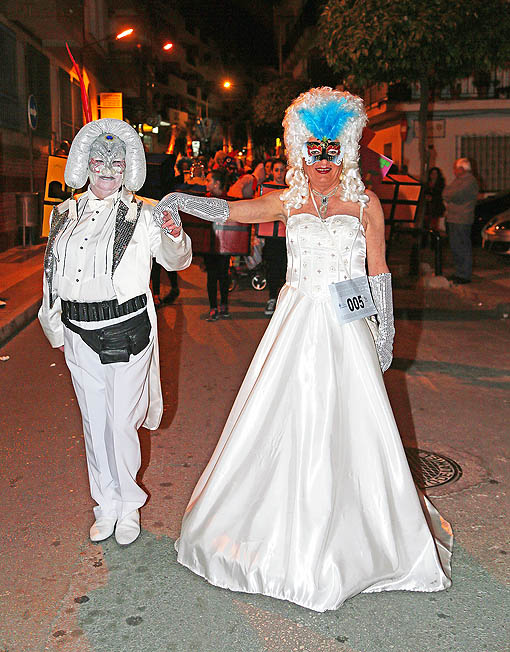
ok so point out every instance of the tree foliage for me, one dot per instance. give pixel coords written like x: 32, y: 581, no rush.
x: 433, y: 42
x: 390, y: 41
x: 272, y: 99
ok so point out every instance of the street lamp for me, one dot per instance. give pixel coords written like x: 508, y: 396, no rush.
x: 168, y: 46
x: 111, y: 37
x: 227, y: 144
x: 126, y: 32
x: 84, y: 97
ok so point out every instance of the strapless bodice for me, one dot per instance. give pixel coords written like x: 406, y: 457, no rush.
x: 321, y: 252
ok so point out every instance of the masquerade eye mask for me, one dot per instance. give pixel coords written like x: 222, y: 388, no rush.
x: 107, y: 156
x: 328, y: 150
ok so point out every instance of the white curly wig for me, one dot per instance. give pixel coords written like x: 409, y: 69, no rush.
x: 318, y: 113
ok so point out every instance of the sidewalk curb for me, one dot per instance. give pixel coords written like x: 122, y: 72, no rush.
x: 19, y: 322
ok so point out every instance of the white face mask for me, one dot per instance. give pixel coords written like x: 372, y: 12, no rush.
x: 107, y: 162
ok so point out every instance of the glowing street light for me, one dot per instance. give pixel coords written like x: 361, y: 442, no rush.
x: 168, y: 46
x: 126, y: 32
x: 227, y: 84
x: 85, y: 46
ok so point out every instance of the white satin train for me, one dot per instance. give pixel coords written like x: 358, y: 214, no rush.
x: 308, y: 496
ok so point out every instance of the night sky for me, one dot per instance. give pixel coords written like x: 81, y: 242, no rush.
x: 242, y: 29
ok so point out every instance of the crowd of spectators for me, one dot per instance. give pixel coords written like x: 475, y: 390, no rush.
x: 225, y: 175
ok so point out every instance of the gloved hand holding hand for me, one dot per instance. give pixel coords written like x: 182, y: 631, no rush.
x: 169, y: 226
x: 211, y: 209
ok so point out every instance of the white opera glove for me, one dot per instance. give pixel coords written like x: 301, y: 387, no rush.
x: 380, y: 286
x: 211, y: 209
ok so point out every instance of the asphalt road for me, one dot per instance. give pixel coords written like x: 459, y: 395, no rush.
x: 449, y: 387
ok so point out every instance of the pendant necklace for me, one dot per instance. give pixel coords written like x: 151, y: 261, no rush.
x: 323, y: 208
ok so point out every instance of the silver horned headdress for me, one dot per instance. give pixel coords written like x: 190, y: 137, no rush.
x: 76, y: 172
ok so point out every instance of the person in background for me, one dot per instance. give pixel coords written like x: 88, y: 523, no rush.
x: 219, y: 159
x: 62, y: 149
x: 275, y: 249
x: 156, y: 285
x: 434, y: 208
x: 217, y: 265
x: 278, y: 171
x: 245, y: 187
x: 460, y: 198
x: 183, y: 165
x: 232, y: 165
x: 268, y: 166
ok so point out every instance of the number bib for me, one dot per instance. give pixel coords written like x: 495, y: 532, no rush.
x: 352, y: 299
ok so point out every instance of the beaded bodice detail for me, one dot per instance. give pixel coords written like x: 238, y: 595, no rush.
x: 321, y: 252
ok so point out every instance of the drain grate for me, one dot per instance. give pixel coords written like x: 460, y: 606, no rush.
x: 430, y: 469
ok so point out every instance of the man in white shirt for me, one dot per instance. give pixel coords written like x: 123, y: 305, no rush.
x: 97, y: 307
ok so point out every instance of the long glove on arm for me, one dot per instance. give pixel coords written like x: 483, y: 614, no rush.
x: 206, y: 208
x: 380, y: 286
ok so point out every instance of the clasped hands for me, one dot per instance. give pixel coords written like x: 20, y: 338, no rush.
x: 169, y: 226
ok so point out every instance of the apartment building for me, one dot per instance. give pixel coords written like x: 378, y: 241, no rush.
x: 165, y: 93
x: 468, y: 118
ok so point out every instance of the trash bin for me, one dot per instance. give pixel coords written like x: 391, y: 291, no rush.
x: 28, y: 215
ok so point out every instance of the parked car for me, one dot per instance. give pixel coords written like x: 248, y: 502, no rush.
x: 486, y: 209
x: 496, y: 234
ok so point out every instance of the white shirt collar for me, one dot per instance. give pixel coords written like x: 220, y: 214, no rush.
x: 107, y: 200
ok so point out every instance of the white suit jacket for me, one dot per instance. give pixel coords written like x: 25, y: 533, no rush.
x: 136, y: 243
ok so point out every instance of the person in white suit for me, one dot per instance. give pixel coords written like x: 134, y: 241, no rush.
x: 97, y: 308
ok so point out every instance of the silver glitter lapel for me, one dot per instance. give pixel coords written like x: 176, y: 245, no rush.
x: 124, y: 230
x: 58, y: 221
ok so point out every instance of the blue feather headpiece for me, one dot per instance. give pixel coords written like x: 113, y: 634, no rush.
x: 327, y: 121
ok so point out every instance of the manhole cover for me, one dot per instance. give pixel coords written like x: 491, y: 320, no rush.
x: 430, y: 469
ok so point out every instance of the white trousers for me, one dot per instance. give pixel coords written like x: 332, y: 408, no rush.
x: 113, y: 400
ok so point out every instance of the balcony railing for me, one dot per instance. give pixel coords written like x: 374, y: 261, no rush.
x: 469, y: 88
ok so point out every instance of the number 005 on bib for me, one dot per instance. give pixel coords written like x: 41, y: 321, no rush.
x: 352, y: 299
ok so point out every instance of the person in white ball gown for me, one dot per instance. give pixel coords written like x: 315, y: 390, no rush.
x: 308, y: 496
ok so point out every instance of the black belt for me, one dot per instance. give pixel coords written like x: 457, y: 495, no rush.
x: 117, y: 342
x: 101, y: 310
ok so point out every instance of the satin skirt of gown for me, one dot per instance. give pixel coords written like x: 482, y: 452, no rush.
x: 308, y: 496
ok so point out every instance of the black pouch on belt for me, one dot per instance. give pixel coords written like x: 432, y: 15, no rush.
x: 117, y: 342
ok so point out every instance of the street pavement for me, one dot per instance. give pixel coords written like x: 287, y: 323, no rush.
x: 449, y: 386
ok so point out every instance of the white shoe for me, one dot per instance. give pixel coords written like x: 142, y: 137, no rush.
x: 270, y: 306
x: 102, y: 528
x: 128, y: 528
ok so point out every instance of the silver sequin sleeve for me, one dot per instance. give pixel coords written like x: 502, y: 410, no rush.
x: 380, y: 287
x: 211, y: 209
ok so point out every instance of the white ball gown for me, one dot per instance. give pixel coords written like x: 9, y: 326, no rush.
x: 308, y: 496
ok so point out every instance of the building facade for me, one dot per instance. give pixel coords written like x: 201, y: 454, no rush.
x: 465, y: 120
x: 470, y: 118
x: 169, y: 95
